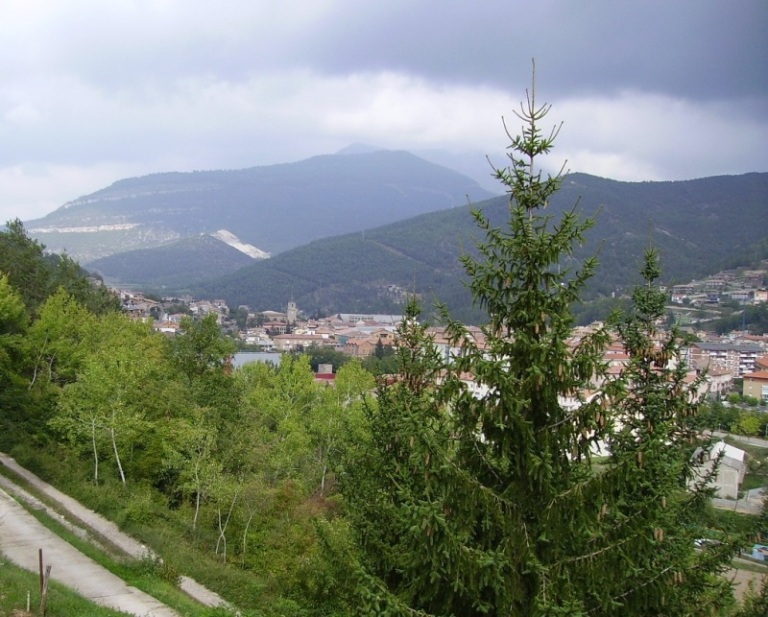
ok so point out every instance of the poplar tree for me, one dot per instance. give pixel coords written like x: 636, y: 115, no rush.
x: 489, y: 500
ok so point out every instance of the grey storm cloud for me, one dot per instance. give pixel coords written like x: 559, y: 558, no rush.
x: 687, y: 48
x: 93, y: 91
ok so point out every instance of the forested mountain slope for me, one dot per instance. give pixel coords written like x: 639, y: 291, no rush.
x: 176, y: 264
x: 697, y: 225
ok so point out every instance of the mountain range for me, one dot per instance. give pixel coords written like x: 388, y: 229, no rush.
x: 698, y: 226
x: 354, y: 231
x: 272, y: 208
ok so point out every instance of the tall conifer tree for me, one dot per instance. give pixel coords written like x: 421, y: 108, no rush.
x: 488, y: 500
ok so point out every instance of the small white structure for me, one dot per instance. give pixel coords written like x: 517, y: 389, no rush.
x: 730, y: 473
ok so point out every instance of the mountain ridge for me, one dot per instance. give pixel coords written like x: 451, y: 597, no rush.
x: 275, y: 207
x: 204, y: 256
x: 696, y: 225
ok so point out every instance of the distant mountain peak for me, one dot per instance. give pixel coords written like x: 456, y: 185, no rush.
x: 274, y: 208
x: 358, y: 148
x: 227, y: 237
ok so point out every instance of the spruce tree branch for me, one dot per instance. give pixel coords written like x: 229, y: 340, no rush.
x: 591, y: 555
x: 645, y: 583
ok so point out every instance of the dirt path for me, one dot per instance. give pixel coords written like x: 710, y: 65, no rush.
x: 21, y: 535
x: 744, y: 581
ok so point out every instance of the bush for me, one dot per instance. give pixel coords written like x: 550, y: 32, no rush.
x: 141, y: 507
x: 152, y: 566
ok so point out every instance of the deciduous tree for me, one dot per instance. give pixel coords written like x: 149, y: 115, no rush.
x: 13, y: 325
x: 60, y: 339
x: 116, y: 393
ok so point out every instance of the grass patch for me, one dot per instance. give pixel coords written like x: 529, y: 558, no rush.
x: 757, y: 464
x: 741, y: 564
x: 734, y: 522
x: 752, y: 481
x: 759, y: 452
x: 16, y: 582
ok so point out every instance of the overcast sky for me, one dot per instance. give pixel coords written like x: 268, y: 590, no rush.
x: 94, y: 91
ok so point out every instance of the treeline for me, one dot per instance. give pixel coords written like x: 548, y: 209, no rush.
x: 31, y: 283
x: 173, y: 266
x: 36, y: 274
x: 729, y: 417
x: 693, y: 224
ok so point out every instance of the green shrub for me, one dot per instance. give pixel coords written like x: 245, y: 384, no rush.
x: 141, y: 506
x: 152, y: 566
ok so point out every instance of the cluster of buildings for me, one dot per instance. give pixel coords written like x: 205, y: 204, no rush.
x: 720, y: 360
x: 140, y: 306
x: 357, y: 335
x: 725, y: 359
x: 742, y: 286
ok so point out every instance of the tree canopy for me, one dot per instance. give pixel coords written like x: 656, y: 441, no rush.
x: 37, y: 275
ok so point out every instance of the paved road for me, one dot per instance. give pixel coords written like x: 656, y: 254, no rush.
x: 753, y: 441
x: 21, y: 535
x: 745, y: 506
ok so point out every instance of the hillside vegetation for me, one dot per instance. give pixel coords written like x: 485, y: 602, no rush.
x: 222, y: 473
x: 697, y: 226
x: 173, y: 265
x: 227, y: 475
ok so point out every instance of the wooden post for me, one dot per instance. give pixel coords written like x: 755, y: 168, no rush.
x: 40, y: 559
x: 44, y: 593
